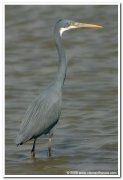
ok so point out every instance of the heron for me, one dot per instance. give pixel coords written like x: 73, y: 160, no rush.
x: 44, y: 111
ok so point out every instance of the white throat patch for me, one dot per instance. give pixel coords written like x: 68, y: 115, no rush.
x: 65, y: 29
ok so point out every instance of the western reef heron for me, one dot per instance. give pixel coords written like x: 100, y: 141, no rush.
x: 44, y: 112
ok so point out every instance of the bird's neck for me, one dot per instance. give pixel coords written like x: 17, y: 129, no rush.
x: 62, y: 68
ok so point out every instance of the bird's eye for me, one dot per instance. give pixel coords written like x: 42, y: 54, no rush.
x: 71, y: 23
x: 68, y: 24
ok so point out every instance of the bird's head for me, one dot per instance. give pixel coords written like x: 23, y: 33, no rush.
x: 64, y: 25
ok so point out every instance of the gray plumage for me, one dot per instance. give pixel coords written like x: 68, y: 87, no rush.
x: 44, y: 112
x: 36, y: 120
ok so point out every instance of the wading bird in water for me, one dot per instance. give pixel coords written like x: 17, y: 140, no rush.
x: 44, y: 112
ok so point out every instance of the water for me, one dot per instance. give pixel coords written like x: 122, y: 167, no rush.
x: 86, y: 137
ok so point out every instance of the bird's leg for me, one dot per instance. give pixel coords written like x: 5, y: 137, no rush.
x: 33, y: 149
x: 49, y: 145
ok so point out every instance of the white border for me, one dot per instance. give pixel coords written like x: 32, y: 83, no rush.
x: 119, y: 92
x: 2, y: 89
x: 61, y: 2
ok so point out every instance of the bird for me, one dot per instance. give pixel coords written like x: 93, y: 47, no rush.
x: 44, y: 112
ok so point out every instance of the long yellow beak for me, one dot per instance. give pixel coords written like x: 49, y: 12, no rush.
x: 83, y: 25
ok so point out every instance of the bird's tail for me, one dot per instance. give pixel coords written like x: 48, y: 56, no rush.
x: 18, y: 140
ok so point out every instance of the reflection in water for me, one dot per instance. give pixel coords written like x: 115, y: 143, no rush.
x: 86, y: 135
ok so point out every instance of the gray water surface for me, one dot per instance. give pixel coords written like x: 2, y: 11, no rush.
x: 86, y: 137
